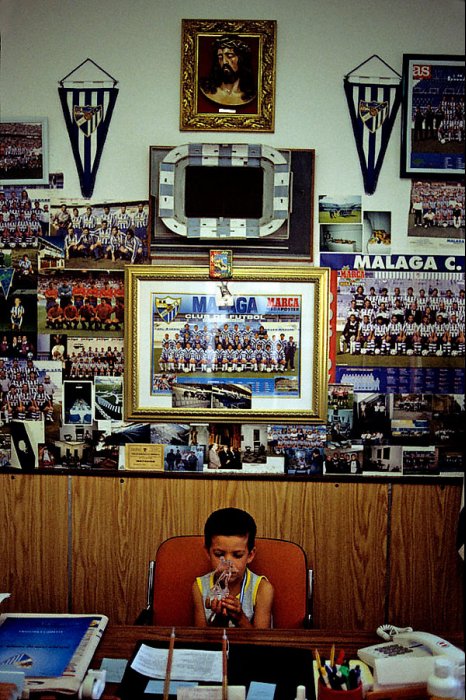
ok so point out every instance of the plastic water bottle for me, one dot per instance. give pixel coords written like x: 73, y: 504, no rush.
x: 442, y: 683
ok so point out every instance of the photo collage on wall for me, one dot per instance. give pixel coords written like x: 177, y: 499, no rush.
x: 62, y: 318
x: 395, y: 404
x: 398, y: 346
x: 397, y: 300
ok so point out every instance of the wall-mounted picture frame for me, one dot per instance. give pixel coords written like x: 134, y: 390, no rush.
x: 284, y: 197
x: 253, y: 348
x: 432, y: 134
x: 24, y: 151
x: 228, y: 75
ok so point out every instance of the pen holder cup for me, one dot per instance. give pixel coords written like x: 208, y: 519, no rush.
x: 325, y: 693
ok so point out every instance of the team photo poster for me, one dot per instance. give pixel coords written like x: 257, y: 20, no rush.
x: 253, y: 345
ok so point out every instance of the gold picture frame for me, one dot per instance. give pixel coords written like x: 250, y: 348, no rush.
x: 242, y: 98
x: 264, y: 335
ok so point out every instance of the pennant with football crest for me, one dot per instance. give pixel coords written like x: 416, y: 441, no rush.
x: 87, y: 100
x: 373, y: 102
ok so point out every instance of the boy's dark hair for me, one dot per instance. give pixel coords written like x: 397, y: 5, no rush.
x: 228, y: 522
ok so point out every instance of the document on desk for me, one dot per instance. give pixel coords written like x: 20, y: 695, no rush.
x: 187, y: 665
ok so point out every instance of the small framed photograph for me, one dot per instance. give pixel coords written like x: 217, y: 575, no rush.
x: 432, y: 136
x: 220, y: 264
x: 227, y: 75
x: 24, y: 151
x: 253, y: 348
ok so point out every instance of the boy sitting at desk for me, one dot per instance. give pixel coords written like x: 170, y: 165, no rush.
x: 229, y: 540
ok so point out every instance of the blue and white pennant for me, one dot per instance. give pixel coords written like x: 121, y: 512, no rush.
x: 373, y: 104
x: 87, y: 108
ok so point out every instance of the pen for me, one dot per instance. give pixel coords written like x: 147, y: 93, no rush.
x: 344, y: 671
x: 341, y: 680
x: 168, y: 670
x: 332, y: 656
x: 354, y: 678
x: 340, y: 658
x: 224, y: 666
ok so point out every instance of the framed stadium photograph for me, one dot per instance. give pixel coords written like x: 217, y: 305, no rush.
x: 253, y: 198
x: 227, y: 75
x: 432, y: 135
x: 24, y: 151
x: 252, y: 348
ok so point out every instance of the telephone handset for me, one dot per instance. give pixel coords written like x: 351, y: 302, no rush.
x: 409, y: 645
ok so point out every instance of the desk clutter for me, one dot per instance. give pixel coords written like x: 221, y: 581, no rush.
x: 51, y: 657
x: 267, y: 672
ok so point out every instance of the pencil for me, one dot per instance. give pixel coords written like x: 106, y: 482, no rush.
x: 224, y: 666
x: 168, y: 670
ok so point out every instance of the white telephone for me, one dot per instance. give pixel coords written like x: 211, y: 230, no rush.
x: 412, y: 644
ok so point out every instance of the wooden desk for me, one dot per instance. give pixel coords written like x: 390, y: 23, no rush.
x: 119, y: 641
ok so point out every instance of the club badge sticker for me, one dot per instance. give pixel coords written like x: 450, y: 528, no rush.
x: 373, y: 103
x: 87, y: 100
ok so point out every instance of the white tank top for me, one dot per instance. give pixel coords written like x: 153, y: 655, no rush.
x: 247, y: 595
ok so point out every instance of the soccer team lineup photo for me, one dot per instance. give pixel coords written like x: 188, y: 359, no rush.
x: 402, y: 318
x: 254, y: 344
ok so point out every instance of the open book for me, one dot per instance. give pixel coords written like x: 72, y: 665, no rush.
x: 53, y: 651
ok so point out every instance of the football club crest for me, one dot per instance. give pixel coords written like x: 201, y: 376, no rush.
x: 373, y: 114
x: 167, y: 308
x: 373, y: 103
x: 87, y: 105
x: 87, y: 118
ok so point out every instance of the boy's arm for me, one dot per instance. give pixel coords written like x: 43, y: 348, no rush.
x: 199, y: 614
x: 263, y: 608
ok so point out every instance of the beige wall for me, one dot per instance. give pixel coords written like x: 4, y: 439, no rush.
x: 138, y: 43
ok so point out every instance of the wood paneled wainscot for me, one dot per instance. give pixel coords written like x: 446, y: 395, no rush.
x: 380, y: 551
x: 34, y: 542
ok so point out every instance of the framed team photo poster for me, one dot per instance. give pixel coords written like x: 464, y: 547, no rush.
x: 227, y: 75
x: 432, y: 136
x: 24, y: 151
x: 252, y: 348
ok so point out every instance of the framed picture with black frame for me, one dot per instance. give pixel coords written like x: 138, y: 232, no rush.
x: 432, y: 135
x: 256, y: 200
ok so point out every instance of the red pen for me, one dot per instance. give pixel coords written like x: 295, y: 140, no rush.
x: 340, y: 659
